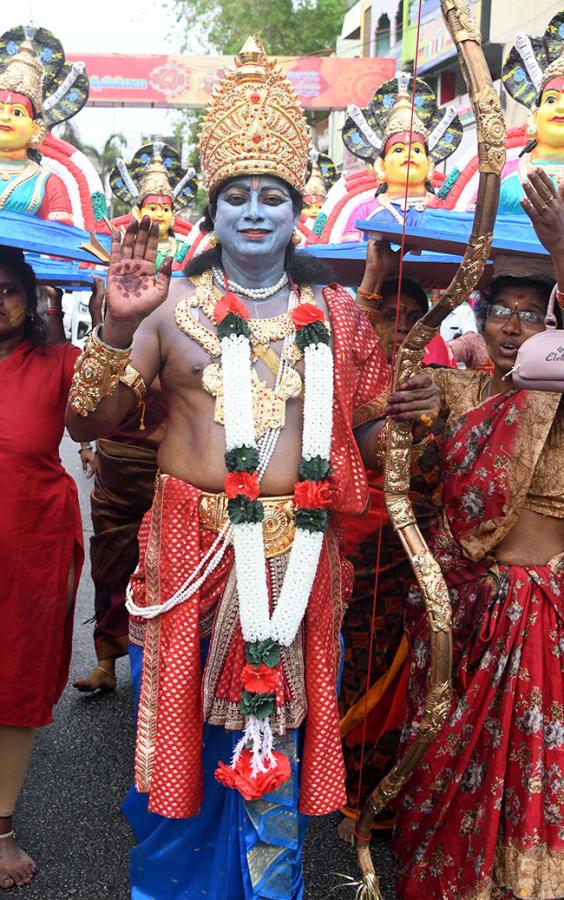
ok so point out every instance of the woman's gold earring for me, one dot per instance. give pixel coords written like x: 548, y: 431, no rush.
x: 296, y: 237
x: 213, y: 239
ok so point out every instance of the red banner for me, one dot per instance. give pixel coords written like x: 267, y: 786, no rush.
x: 187, y: 81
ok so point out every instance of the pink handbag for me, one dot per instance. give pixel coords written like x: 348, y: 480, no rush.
x: 539, y: 365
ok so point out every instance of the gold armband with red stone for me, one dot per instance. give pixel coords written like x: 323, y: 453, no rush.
x: 97, y: 372
x: 134, y: 382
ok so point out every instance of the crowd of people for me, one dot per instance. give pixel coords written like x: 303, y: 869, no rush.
x: 242, y: 552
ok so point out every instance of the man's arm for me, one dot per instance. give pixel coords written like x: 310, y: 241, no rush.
x: 97, y: 404
x: 417, y: 400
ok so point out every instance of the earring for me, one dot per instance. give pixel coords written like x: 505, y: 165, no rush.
x: 531, y: 129
x: 213, y: 239
x: 296, y: 237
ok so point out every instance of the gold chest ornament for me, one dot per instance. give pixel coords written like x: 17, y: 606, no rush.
x: 269, y: 404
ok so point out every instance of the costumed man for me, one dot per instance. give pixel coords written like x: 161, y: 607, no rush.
x: 533, y: 74
x: 147, y: 184
x: 403, y: 137
x: 239, y: 592
x: 38, y: 89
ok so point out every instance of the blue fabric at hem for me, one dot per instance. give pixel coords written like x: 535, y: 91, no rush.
x: 233, y: 850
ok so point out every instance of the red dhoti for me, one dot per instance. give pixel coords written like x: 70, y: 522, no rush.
x: 176, y: 696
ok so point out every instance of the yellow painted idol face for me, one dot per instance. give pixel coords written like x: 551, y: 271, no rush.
x: 549, y: 116
x: 159, y: 209
x: 17, y: 126
x: 399, y: 165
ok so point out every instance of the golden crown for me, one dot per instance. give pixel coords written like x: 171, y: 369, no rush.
x: 155, y: 178
x: 254, y: 124
x: 402, y: 117
x: 554, y: 70
x: 23, y: 74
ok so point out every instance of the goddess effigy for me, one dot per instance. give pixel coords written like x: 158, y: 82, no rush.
x: 533, y: 74
x: 404, y: 165
x: 156, y: 185
x: 38, y: 89
x: 266, y: 378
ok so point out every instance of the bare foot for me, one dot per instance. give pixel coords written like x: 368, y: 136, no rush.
x: 16, y: 867
x: 101, y: 678
x: 345, y: 830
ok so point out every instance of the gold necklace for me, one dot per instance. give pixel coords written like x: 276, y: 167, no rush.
x: 269, y: 404
x: 484, y: 389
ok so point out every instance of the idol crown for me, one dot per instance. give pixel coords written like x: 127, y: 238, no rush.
x: 554, y: 70
x: 23, y: 74
x: 402, y: 117
x: 254, y: 124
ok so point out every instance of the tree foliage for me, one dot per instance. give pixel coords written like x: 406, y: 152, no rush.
x: 287, y: 27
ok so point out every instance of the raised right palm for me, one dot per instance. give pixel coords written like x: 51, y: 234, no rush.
x: 133, y: 290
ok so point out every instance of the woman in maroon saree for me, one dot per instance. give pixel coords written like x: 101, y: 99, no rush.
x: 483, y: 816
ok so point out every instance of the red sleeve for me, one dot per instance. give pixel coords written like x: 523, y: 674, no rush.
x: 56, y: 203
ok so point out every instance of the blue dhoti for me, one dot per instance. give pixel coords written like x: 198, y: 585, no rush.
x: 234, y: 849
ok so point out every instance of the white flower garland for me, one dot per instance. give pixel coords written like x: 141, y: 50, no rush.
x: 256, y: 622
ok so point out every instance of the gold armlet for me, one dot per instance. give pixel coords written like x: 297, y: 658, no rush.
x: 135, y: 382
x: 96, y: 373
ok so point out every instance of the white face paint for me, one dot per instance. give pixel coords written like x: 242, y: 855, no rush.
x: 255, y: 217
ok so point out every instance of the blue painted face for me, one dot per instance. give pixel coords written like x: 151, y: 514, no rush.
x: 255, y: 217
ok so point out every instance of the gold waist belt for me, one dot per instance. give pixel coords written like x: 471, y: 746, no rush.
x: 278, y: 526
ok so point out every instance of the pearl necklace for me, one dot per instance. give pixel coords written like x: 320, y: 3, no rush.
x: 251, y: 293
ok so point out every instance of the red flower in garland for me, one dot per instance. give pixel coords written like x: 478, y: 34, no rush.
x: 250, y: 786
x: 305, y: 314
x: 312, y: 494
x: 242, y: 483
x: 229, y: 303
x: 259, y: 679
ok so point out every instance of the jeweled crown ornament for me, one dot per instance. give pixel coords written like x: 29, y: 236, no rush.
x: 402, y: 116
x: 254, y: 124
x: 155, y: 180
x: 23, y: 73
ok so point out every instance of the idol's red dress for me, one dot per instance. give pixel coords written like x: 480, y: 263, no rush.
x: 40, y: 533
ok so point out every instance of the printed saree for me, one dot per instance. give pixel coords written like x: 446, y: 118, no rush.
x: 483, y: 815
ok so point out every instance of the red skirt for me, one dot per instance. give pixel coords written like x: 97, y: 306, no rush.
x: 483, y: 815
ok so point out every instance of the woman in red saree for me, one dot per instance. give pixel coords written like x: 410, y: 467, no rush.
x: 483, y: 815
x: 40, y: 539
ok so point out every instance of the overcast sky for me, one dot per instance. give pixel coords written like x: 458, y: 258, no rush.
x: 106, y: 26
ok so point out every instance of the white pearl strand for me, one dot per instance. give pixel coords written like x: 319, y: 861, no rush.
x: 250, y: 293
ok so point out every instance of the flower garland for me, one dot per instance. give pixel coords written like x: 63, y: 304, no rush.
x: 255, y: 768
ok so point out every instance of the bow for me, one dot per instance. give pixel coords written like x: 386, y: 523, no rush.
x: 490, y: 129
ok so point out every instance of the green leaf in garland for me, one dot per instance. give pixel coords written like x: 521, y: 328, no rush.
x: 242, y: 510
x: 312, y: 519
x: 314, y: 333
x: 233, y: 324
x: 315, y: 469
x: 267, y: 652
x: 242, y: 459
x: 259, y: 705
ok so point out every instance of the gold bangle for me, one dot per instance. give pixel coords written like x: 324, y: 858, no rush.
x: 135, y: 382
x: 96, y: 373
x: 369, y: 311
x: 368, y: 295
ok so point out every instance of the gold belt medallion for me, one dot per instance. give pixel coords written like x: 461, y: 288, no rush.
x: 278, y: 526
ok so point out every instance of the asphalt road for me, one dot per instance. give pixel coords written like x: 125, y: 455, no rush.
x: 68, y: 816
